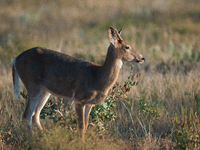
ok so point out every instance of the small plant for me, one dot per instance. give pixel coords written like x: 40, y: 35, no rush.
x: 6, y: 135
x: 149, y: 109
x: 187, y: 130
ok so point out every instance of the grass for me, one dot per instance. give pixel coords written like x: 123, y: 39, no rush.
x: 167, y: 33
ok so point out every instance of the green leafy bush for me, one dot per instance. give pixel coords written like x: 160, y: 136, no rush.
x: 187, y: 130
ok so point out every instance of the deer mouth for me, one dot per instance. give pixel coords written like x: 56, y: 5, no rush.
x: 140, y: 60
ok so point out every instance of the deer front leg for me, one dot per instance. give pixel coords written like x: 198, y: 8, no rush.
x: 80, y: 110
x: 100, y: 97
x: 88, y: 109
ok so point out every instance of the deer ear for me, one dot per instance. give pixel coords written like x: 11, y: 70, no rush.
x: 112, y: 35
x: 120, y: 31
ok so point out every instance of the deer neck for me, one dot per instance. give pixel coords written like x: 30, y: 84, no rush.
x: 110, y: 69
x: 112, y: 63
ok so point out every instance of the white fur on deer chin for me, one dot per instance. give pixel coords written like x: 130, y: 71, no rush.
x: 119, y: 63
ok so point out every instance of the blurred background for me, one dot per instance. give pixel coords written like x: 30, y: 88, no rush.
x: 80, y: 27
x: 166, y: 33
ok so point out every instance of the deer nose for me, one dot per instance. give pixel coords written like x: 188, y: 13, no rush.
x: 140, y: 59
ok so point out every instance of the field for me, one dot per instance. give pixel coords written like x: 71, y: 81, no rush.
x: 162, y: 112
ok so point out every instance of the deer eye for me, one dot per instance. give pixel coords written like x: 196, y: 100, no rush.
x: 127, y: 47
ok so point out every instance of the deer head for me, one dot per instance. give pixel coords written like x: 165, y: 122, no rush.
x: 121, y: 49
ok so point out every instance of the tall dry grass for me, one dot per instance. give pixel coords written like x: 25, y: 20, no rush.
x: 167, y: 33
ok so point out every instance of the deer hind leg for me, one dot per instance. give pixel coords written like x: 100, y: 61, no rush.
x: 80, y: 110
x: 88, y: 109
x: 41, y: 102
x: 33, y: 97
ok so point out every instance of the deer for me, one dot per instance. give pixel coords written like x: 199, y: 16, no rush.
x: 46, y: 72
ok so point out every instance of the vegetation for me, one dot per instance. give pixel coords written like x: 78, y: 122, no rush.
x: 161, y: 112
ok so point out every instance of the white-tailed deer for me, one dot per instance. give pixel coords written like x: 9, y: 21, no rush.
x: 45, y: 72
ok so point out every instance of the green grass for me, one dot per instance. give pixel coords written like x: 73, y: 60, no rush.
x: 167, y: 33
